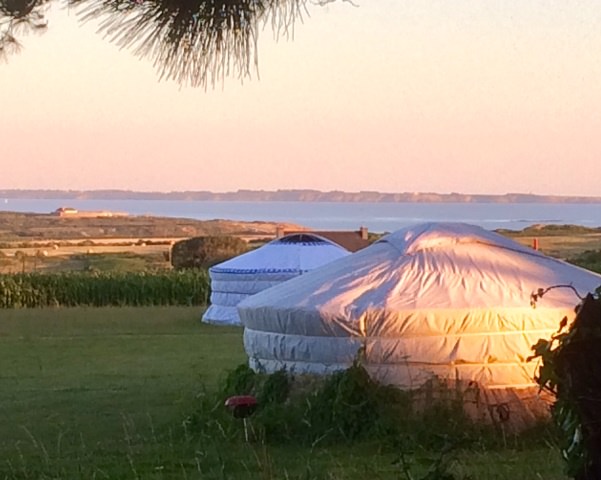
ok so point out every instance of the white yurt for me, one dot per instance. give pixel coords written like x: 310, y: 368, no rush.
x: 441, y: 300
x: 279, y: 260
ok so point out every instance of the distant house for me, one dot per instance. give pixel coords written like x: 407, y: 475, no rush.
x: 65, y: 212
x: 74, y: 213
x: 350, y: 240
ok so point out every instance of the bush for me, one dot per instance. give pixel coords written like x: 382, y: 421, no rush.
x: 346, y: 406
x: 590, y: 259
x: 543, y: 230
x: 343, y: 407
x: 240, y: 381
x: 204, y: 252
x: 570, y: 370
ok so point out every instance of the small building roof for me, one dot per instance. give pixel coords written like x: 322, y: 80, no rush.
x: 349, y: 240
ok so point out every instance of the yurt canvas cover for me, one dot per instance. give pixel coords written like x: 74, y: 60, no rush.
x: 269, y: 265
x: 445, y: 300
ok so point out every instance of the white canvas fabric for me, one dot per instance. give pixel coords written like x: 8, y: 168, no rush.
x: 280, y: 260
x: 451, y: 300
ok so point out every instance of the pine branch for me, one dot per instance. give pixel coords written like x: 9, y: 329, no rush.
x: 194, y: 42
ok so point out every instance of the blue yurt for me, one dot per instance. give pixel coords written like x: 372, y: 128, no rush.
x: 282, y: 259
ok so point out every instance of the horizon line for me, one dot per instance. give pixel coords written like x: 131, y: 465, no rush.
x: 288, y: 190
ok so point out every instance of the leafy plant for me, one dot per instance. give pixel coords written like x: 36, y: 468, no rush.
x: 240, y: 381
x: 577, y: 392
x: 344, y: 407
x: 275, y: 388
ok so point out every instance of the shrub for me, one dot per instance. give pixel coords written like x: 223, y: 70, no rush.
x: 343, y: 407
x: 275, y: 388
x: 570, y: 370
x: 590, y: 259
x: 241, y: 381
x: 204, y: 252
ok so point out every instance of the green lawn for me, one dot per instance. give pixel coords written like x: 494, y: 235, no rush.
x: 94, y: 376
x: 102, y: 393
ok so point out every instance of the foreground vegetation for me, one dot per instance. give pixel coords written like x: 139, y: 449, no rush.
x: 138, y: 393
x: 99, y: 289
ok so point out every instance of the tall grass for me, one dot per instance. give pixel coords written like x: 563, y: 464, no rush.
x: 98, y: 289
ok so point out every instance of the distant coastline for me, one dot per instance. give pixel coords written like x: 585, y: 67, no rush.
x: 296, y: 196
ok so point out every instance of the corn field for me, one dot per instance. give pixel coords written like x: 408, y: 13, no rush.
x: 70, y: 289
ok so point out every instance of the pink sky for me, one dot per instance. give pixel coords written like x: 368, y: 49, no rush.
x: 464, y: 96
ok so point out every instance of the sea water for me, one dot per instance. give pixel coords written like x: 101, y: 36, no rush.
x: 377, y: 217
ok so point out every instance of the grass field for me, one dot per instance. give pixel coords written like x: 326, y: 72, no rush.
x: 102, y: 393
x: 562, y: 246
x: 136, y: 254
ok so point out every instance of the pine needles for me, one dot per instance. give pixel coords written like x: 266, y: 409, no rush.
x: 194, y: 42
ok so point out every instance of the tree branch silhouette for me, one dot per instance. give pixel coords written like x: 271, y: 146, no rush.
x: 194, y: 42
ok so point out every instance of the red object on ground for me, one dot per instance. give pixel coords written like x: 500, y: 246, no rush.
x: 241, y: 406
x: 535, y: 243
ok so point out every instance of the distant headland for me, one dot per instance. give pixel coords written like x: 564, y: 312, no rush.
x: 295, y: 196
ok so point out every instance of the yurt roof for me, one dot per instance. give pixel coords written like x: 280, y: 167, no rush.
x: 430, y: 266
x: 446, y: 300
x: 295, y: 253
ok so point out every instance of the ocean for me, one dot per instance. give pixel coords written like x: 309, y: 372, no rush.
x: 377, y: 217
